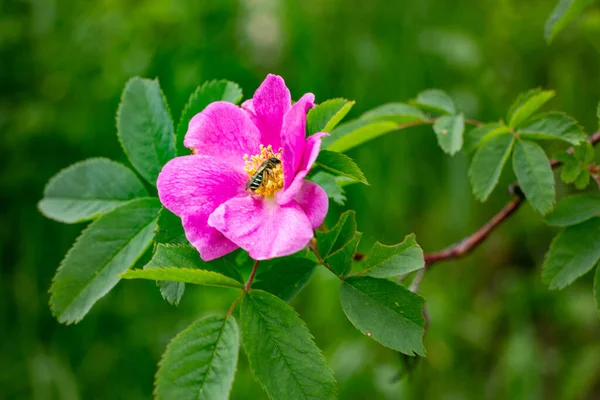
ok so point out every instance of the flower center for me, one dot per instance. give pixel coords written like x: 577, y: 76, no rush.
x: 265, y: 172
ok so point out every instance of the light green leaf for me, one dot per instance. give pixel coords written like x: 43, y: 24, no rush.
x: 564, y: 12
x: 340, y: 164
x: 435, y: 100
x: 170, y: 229
x: 105, y: 249
x: 526, y: 105
x: 200, y: 361
x: 340, y: 261
x: 325, y: 116
x: 534, y: 174
x: 399, y: 113
x: 575, y: 209
x: 145, y: 128
x: 573, y: 252
x: 354, y: 133
x: 388, y: 261
x: 479, y: 135
x: 553, y: 126
x: 332, y: 185
x: 282, y: 354
x: 597, y: 288
x: 337, y: 237
x: 488, y: 163
x: 385, y: 311
x: 584, y: 153
x: 186, y: 275
x: 583, y: 179
x: 88, y: 189
x: 285, y: 277
x: 208, y: 93
x: 571, y: 170
x: 449, y: 131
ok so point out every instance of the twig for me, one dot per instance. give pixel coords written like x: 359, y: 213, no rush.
x: 251, y: 277
x: 473, y: 122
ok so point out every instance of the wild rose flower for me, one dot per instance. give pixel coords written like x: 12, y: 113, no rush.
x: 229, y: 195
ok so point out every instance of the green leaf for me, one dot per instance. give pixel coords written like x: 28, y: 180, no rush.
x: 526, y: 105
x: 282, y: 354
x: 354, y: 133
x: 170, y: 229
x: 145, y: 128
x: 337, y: 237
x: 340, y: 261
x: 564, y: 12
x: 208, y: 93
x: 488, y: 163
x: 388, y: 261
x: 571, y: 171
x: 573, y: 252
x: 575, y: 209
x: 435, y: 100
x: 583, y: 179
x: 479, y: 135
x: 553, y: 126
x: 88, y: 189
x: 105, y: 249
x: 534, y: 174
x: 385, y: 311
x: 597, y: 288
x: 200, y: 361
x: 584, y: 153
x: 340, y: 164
x: 449, y: 131
x: 285, y: 277
x: 333, y: 185
x: 186, y: 275
x: 325, y: 116
x: 398, y: 113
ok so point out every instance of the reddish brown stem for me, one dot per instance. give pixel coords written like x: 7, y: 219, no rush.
x: 251, y: 277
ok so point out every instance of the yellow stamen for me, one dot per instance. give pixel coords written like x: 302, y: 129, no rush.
x: 272, y: 179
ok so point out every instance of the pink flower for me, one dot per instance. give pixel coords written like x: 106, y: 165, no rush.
x: 211, y: 191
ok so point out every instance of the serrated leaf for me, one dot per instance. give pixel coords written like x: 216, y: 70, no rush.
x: 105, y: 249
x: 597, y: 288
x: 526, y: 105
x: 479, y: 135
x: 488, y: 163
x: 584, y: 152
x: 170, y: 229
x: 340, y: 164
x: 144, y: 127
x: 208, y: 93
x: 532, y: 168
x: 337, y: 237
x: 333, y: 185
x: 282, y: 354
x: 570, y: 171
x: 200, y: 361
x: 573, y: 252
x: 340, y: 261
x: 564, y: 12
x: 449, y: 131
x: 388, y: 261
x: 88, y: 189
x: 583, y: 180
x: 285, y: 277
x: 435, y: 100
x: 575, y: 209
x: 398, y: 113
x: 385, y: 311
x: 325, y: 116
x: 354, y: 133
x: 185, y: 275
x: 553, y: 126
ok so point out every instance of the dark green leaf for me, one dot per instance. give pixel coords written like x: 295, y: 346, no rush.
x: 478, y: 136
x: 573, y: 252
x: 283, y: 356
x: 186, y: 275
x: 145, y: 128
x: 170, y: 230
x: 340, y: 164
x: 325, y: 116
x: 526, y: 105
x: 332, y: 186
x: 435, y: 100
x: 208, y: 93
x: 575, y: 209
x: 564, y: 12
x: 354, y: 133
x: 340, y: 261
x: 88, y: 189
x: 449, y: 131
x: 399, y: 113
x: 200, y: 361
x: 385, y: 311
x: 553, y: 125
x: 533, y: 171
x: 487, y: 165
x: 597, y: 288
x: 285, y: 277
x: 105, y: 249
x: 388, y: 261
x: 336, y: 238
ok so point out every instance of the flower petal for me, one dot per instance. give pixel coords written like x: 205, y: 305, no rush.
x: 223, y: 130
x: 314, y: 201
x: 209, y: 242
x: 271, y: 101
x: 292, y: 136
x: 262, y: 227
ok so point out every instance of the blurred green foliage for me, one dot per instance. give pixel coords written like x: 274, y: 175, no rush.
x: 495, y: 331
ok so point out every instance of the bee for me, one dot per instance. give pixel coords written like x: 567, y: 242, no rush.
x: 256, y: 180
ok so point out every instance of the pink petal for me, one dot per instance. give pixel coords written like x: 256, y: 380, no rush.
x: 312, y: 146
x: 223, y: 130
x: 270, y: 103
x: 209, y: 242
x: 262, y: 227
x: 314, y: 201
x: 292, y: 136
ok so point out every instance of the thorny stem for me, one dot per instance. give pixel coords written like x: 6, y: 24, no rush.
x: 246, y: 288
